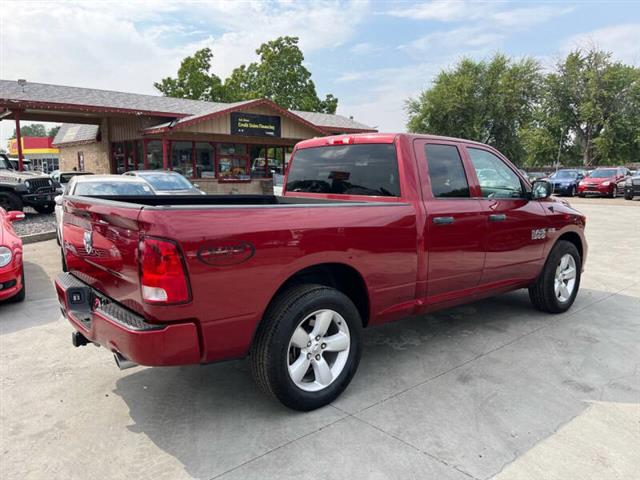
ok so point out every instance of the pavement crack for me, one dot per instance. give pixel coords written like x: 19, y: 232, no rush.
x: 417, y: 449
x: 275, y: 449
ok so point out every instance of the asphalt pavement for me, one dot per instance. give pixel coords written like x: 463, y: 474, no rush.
x: 493, y: 389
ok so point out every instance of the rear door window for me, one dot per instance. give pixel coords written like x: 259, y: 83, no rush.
x: 367, y: 169
x: 446, y: 171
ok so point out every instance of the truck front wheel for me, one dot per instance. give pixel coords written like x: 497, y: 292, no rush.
x: 10, y: 201
x: 308, y: 347
x: 555, y: 289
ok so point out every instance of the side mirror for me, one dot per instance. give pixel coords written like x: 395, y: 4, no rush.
x: 15, y: 216
x: 541, y: 189
x: 58, y: 200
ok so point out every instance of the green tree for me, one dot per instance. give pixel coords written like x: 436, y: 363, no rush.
x: 33, y: 130
x: 597, y: 104
x: 279, y: 75
x: 194, y: 79
x: 488, y: 101
x: 53, y: 131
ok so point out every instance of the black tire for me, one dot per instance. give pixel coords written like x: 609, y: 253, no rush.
x: 581, y: 195
x: 20, y: 296
x: 49, y: 208
x: 628, y: 197
x: 541, y: 292
x: 10, y: 201
x: 614, y: 192
x: 572, y: 192
x: 269, y: 353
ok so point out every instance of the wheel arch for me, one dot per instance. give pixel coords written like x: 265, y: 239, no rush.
x: 575, y: 239
x: 344, y: 278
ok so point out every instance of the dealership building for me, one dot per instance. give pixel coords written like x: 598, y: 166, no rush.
x: 224, y: 147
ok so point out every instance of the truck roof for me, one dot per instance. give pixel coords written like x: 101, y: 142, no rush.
x: 360, y: 138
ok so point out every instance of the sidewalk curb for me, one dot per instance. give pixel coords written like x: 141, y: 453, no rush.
x: 38, y: 237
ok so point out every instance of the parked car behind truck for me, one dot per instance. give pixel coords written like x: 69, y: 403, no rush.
x: 371, y: 229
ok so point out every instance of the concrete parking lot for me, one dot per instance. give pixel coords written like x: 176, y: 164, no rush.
x: 494, y: 389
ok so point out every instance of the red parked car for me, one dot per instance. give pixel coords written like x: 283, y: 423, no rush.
x: 604, y: 181
x: 371, y: 229
x: 11, y: 269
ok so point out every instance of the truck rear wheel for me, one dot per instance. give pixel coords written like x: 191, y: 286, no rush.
x: 10, y: 201
x: 555, y: 289
x: 308, y: 347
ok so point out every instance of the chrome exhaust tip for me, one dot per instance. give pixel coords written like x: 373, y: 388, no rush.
x: 122, y: 362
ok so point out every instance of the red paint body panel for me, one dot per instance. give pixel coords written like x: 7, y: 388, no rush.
x: 13, y: 270
x: 409, y: 265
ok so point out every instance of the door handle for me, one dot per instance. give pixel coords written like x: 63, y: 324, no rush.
x: 497, y: 217
x: 443, y: 220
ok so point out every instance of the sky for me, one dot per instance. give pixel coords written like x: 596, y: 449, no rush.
x: 373, y: 55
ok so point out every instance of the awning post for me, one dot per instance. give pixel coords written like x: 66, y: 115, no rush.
x: 165, y: 155
x: 16, y: 115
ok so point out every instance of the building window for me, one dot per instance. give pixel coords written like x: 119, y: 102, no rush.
x: 181, y: 160
x: 154, y: 155
x: 233, y: 168
x: 205, y: 160
x: 266, y: 161
x: 232, y: 149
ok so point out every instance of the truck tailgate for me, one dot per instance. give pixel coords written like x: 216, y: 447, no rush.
x: 101, y: 247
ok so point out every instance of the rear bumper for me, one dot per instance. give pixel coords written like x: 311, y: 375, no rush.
x: 10, y: 281
x: 118, y: 329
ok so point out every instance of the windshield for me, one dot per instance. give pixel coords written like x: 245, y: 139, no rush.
x: 369, y: 169
x: 605, y: 173
x: 4, y: 164
x: 168, y: 181
x: 111, y: 188
x: 568, y: 174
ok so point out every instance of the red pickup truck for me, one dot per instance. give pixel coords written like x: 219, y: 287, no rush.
x: 371, y: 229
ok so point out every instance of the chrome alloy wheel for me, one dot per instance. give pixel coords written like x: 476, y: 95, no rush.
x: 318, y: 350
x: 565, y: 278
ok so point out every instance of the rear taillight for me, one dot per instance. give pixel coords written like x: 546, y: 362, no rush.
x: 162, y: 272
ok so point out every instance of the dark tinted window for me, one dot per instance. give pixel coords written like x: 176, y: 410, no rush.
x: 446, y: 171
x: 370, y: 169
x: 112, y: 188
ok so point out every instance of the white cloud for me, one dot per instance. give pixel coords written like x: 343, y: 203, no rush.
x: 461, y: 41
x: 622, y: 40
x: 494, y: 14
x: 365, y: 48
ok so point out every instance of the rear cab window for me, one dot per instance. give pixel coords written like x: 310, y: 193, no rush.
x: 446, y: 171
x: 356, y: 169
